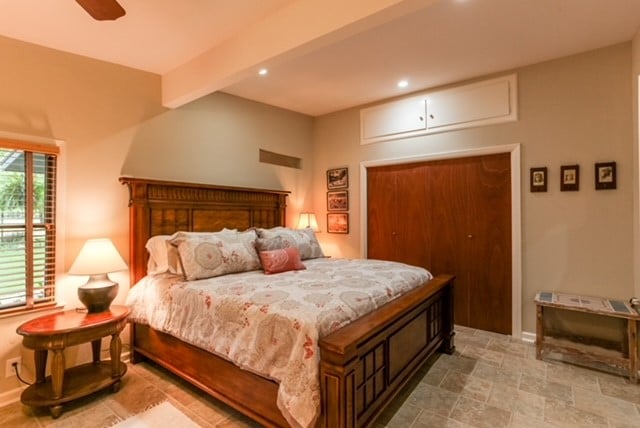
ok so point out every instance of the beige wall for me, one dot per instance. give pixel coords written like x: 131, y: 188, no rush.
x: 572, y: 110
x: 112, y: 123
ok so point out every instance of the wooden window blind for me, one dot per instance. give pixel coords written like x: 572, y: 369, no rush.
x: 27, y: 225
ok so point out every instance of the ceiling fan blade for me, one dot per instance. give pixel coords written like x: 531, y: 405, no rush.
x: 102, y: 10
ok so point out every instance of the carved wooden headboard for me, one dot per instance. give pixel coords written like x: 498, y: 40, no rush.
x: 164, y: 207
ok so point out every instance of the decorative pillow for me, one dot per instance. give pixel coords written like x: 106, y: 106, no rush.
x: 266, y: 244
x: 283, y: 260
x: 215, y: 254
x: 163, y: 257
x: 303, y: 239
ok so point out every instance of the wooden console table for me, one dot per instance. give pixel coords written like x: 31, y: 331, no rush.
x: 57, y: 331
x: 620, y: 356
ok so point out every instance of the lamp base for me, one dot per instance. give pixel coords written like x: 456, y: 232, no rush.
x: 98, y: 293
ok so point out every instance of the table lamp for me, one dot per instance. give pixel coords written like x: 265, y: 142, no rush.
x: 97, y: 258
x: 308, y: 220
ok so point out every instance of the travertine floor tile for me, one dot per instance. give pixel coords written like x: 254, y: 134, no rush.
x: 434, y: 399
x: 561, y: 413
x: 503, y: 376
x: 546, y: 388
x: 431, y: 420
x: 458, y: 363
x: 517, y: 401
x: 478, y: 414
x: 491, y: 381
x: 481, y: 354
x: 530, y: 367
x: 573, y: 376
x: 467, y: 385
x: 606, y: 406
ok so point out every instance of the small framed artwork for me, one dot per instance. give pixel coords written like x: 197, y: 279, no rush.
x: 605, y: 175
x: 338, y: 200
x: 569, y: 178
x: 338, y: 178
x: 538, y: 178
x: 338, y: 222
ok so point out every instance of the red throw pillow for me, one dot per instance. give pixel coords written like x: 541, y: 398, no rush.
x: 276, y: 261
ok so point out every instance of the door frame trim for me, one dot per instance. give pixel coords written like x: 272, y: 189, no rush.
x: 516, y: 212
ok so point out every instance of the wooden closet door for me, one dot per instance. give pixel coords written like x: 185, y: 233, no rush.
x: 450, y: 216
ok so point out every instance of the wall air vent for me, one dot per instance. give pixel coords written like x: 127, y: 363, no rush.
x: 280, y: 160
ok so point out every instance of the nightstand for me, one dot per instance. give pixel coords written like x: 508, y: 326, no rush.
x: 57, y: 331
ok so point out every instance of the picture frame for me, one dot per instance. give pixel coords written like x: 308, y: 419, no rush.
x: 337, y: 178
x: 338, y: 222
x: 605, y: 175
x: 569, y: 178
x: 538, y: 179
x: 338, y: 200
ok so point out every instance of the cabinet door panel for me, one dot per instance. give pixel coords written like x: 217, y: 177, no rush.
x: 381, y: 213
x: 489, y: 260
x: 412, y: 231
x: 448, y: 200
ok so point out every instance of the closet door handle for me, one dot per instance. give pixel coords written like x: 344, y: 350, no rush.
x: 470, y: 236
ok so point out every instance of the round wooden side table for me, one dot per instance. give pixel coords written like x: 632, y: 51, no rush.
x: 57, y: 331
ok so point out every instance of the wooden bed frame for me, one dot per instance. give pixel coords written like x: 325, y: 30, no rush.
x: 363, y: 365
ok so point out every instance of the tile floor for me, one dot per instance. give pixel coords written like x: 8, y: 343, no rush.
x: 491, y: 381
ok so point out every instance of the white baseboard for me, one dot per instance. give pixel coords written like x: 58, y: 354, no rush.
x: 528, y: 337
x: 11, y: 396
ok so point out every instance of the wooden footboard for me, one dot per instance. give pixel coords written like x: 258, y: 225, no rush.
x: 365, y: 364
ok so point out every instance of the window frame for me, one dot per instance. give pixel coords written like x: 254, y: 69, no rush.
x: 30, y: 304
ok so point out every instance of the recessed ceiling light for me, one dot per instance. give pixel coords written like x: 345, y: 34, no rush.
x: 403, y: 83
x: 263, y: 72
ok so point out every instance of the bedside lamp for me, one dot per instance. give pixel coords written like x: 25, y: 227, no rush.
x: 97, y: 258
x: 308, y: 220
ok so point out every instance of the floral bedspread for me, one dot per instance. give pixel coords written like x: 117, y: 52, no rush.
x: 270, y: 324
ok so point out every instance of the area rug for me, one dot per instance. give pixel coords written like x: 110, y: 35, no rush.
x: 162, y: 415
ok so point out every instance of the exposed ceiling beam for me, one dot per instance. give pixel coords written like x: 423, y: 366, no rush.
x: 289, y: 32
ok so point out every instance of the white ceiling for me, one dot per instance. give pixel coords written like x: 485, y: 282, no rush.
x: 322, y: 55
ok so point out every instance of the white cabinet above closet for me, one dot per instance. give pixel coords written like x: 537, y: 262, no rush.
x: 482, y: 103
x: 399, y: 117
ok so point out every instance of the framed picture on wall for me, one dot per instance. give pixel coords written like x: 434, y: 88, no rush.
x: 605, y: 175
x: 337, y: 178
x: 569, y: 178
x: 338, y: 222
x: 338, y: 200
x: 538, y: 178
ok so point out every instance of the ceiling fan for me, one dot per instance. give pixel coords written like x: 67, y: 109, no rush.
x: 102, y: 10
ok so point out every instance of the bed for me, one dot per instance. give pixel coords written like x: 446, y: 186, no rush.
x: 363, y: 365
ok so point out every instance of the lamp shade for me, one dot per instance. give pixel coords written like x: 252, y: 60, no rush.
x: 308, y: 219
x: 97, y: 256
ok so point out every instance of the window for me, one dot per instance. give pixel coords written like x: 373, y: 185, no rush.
x: 27, y: 225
